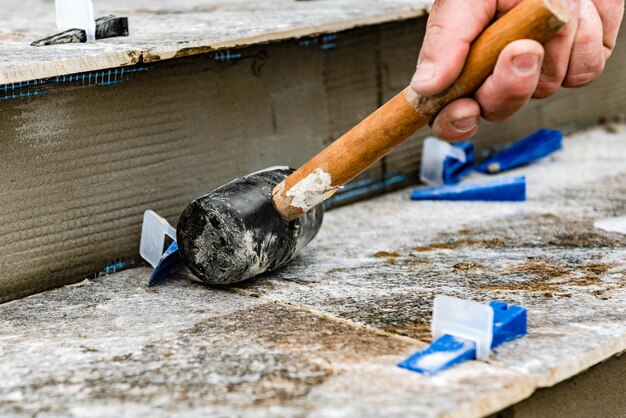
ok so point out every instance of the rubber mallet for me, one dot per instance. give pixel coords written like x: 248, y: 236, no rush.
x: 259, y: 222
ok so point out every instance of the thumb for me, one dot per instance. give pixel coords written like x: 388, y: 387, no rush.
x: 452, y: 27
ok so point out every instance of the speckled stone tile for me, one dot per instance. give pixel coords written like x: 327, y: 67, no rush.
x: 113, y: 347
x: 382, y: 262
x: 322, y: 337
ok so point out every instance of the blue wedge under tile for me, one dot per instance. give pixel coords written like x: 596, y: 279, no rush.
x: 454, y: 170
x: 508, y: 189
x: 169, y: 261
x: 444, y: 353
x: 509, y: 323
x: 532, y: 148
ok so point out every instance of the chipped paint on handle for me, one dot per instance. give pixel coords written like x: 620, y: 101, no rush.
x: 305, y: 195
x: 311, y: 190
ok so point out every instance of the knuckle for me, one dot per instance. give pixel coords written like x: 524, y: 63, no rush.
x: 497, y: 116
x: 585, y: 74
x: 586, y: 37
x: 518, y: 92
x: 510, y: 91
x: 435, y: 29
x: 579, y: 80
x: 440, y: 29
x: 547, y: 86
x: 543, y: 92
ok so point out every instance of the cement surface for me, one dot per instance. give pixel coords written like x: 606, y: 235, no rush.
x: 177, y: 28
x: 322, y: 336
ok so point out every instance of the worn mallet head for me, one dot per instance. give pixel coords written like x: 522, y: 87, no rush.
x: 235, y: 233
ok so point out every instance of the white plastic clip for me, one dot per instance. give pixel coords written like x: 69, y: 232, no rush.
x: 465, y: 319
x: 76, y: 14
x: 434, y: 154
x: 153, y: 233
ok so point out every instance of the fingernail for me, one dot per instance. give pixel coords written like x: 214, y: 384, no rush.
x: 525, y: 63
x: 425, y: 71
x: 465, y: 124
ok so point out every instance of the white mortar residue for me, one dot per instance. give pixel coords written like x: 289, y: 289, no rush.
x: 310, y: 191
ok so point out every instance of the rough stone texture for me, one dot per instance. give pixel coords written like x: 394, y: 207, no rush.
x: 322, y: 336
x: 381, y: 262
x: 112, y: 347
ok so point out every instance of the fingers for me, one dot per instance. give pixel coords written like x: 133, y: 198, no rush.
x: 452, y: 26
x: 458, y: 120
x: 513, y: 81
x: 574, y: 57
x: 557, y: 57
x: 506, y: 91
x: 588, y: 54
x: 611, y: 13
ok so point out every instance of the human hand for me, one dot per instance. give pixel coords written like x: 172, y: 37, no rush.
x: 573, y: 58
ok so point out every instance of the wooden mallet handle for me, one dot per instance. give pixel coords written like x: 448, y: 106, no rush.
x: 407, y: 112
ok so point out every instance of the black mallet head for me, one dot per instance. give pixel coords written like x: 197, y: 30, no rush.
x: 235, y: 233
